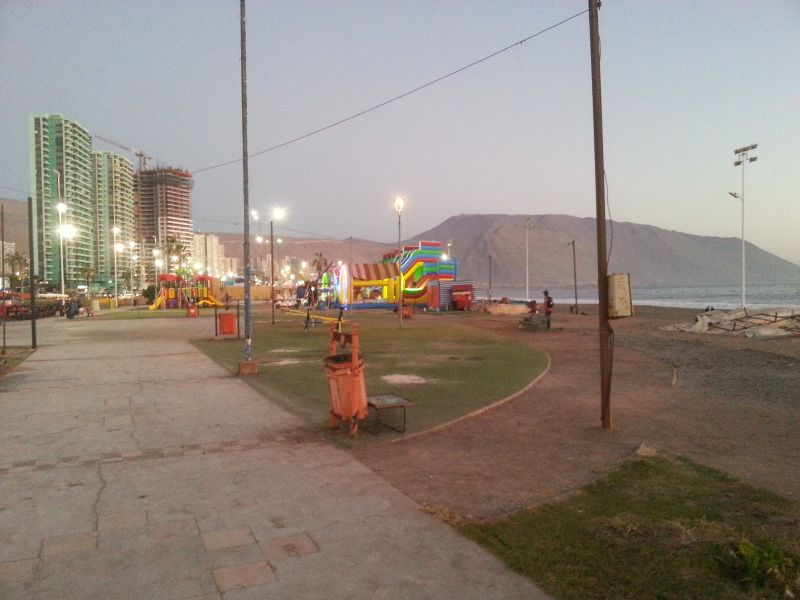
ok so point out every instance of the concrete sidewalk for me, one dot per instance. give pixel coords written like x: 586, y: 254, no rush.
x: 135, y: 467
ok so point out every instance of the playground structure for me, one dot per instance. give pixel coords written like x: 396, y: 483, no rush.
x: 420, y: 271
x: 173, y: 294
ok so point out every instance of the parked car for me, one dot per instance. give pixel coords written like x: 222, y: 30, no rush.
x: 11, y: 307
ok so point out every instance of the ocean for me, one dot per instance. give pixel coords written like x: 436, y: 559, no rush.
x: 724, y: 297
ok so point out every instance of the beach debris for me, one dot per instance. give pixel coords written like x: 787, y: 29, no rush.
x: 769, y: 323
x: 646, y: 451
x: 498, y: 308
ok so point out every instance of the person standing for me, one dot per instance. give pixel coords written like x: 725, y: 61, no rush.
x: 548, y: 308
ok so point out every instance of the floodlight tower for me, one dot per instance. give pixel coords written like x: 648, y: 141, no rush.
x: 744, y: 157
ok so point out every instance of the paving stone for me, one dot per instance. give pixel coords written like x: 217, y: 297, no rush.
x: 171, y: 529
x: 123, y: 520
x: 72, y: 543
x: 18, y: 570
x: 243, y: 576
x: 288, y: 547
x: 227, y: 538
x: 118, y: 421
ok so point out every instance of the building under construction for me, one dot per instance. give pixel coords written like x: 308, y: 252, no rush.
x: 163, y: 198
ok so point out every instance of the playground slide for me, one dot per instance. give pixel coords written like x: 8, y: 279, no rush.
x: 210, y: 300
x: 158, y: 302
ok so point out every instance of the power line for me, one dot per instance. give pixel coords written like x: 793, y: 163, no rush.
x: 277, y: 228
x: 395, y: 98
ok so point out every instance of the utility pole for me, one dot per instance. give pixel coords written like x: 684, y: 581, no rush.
x: 33, y: 271
x: 575, y: 276
x: 527, y: 268
x: 246, y: 366
x: 490, y: 278
x: 605, y: 332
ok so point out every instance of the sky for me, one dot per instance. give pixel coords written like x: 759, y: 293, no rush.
x: 684, y: 83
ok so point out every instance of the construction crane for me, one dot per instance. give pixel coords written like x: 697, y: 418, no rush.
x: 144, y: 159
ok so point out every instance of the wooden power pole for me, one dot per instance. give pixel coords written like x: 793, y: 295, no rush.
x: 605, y: 333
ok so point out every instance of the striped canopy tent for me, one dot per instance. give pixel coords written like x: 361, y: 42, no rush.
x: 374, y: 271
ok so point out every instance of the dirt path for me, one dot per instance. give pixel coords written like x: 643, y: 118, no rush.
x: 731, y: 403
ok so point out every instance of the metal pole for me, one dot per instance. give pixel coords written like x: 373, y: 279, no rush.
x: 400, y: 271
x: 599, y: 179
x: 271, y: 270
x: 60, y: 231
x: 490, y: 277
x: 527, y: 268
x: 248, y: 343
x: 743, y: 253
x: 3, y: 266
x: 116, y: 296
x: 32, y: 270
x: 575, y: 276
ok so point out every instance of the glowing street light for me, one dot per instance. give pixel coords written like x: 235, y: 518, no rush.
x: 61, y: 208
x: 117, y: 248
x: 399, y: 204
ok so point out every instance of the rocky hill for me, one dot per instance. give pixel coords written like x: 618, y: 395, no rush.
x: 653, y: 256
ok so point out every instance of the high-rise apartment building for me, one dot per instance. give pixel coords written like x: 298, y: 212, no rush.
x: 163, y: 209
x: 209, y: 253
x: 61, y: 174
x: 112, y: 177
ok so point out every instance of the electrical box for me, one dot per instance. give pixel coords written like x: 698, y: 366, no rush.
x: 620, y: 303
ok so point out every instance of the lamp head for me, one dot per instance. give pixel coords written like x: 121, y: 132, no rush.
x: 61, y: 208
x: 399, y: 204
x: 278, y: 213
x: 734, y: 194
x: 115, y: 230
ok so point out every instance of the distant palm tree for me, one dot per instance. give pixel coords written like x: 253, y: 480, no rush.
x: 320, y: 263
x: 176, y: 249
x: 88, y: 275
x: 17, y: 263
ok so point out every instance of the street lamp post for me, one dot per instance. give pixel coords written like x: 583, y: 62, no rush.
x: 115, y: 231
x: 157, y: 262
x: 277, y: 215
x: 399, y: 204
x: 61, y: 208
x: 744, y: 157
x: 132, y: 246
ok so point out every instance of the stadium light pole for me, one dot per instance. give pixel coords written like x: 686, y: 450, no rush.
x: 399, y: 204
x: 744, y: 157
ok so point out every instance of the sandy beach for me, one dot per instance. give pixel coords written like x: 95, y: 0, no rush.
x: 726, y: 401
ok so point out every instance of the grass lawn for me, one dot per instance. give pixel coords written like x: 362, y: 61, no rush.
x: 655, y: 528
x: 142, y: 312
x: 12, y: 357
x: 459, y: 368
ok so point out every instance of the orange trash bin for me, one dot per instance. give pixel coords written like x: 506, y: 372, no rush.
x: 227, y: 323
x: 345, y: 374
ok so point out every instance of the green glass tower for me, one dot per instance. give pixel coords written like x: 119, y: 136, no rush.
x: 61, y: 174
x: 112, y: 178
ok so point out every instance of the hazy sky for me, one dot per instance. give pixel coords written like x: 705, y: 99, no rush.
x: 684, y: 83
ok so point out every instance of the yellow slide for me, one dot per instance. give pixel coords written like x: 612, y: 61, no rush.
x: 159, y: 301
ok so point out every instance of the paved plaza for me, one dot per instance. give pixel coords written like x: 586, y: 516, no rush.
x: 132, y: 466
